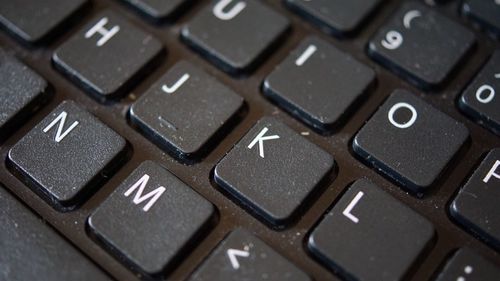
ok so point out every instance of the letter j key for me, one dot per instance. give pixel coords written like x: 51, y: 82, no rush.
x: 410, y: 141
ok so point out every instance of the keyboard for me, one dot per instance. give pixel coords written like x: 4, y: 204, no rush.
x: 250, y: 140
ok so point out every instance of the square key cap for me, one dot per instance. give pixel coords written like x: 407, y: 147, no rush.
x: 338, y: 17
x: 421, y: 45
x: 476, y: 205
x: 467, y: 265
x: 21, y: 92
x: 235, y: 34
x: 484, y: 12
x: 34, y: 20
x: 369, y: 235
x: 273, y: 170
x: 66, y: 155
x: 481, y: 99
x: 410, y: 141
x: 150, y: 219
x: 318, y: 83
x: 107, y: 56
x: 185, y: 110
x: 158, y: 9
x: 242, y: 256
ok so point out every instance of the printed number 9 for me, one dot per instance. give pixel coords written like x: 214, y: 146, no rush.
x: 393, y: 40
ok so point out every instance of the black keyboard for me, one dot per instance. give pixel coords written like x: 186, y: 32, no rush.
x: 250, y: 140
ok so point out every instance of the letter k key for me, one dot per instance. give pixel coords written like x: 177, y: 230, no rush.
x: 260, y: 138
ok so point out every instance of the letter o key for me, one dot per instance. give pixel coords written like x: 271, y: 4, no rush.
x: 483, y: 89
x: 397, y: 106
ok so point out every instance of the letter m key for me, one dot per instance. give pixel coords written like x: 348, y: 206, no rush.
x: 139, y: 197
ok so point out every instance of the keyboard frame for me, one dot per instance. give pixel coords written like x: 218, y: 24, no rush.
x: 289, y: 242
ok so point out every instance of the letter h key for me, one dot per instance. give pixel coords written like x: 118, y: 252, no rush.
x: 107, y: 56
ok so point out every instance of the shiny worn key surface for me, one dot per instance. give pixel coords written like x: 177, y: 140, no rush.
x: 290, y: 241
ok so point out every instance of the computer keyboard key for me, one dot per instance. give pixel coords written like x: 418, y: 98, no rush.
x: 21, y: 92
x: 158, y: 9
x: 31, y: 250
x: 67, y: 155
x: 185, y: 110
x: 335, y: 16
x: 484, y: 12
x: 242, y: 256
x: 467, y: 265
x: 476, y: 205
x: 35, y: 20
x: 299, y: 86
x: 235, y: 34
x: 421, y: 45
x: 107, y: 56
x: 273, y: 171
x: 151, y: 219
x: 369, y: 235
x: 410, y: 141
x: 481, y: 99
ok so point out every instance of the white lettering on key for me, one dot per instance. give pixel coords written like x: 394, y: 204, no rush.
x: 234, y: 253
x: 397, y: 106
x: 219, y: 12
x: 306, y: 55
x: 348, y: 210
x: 106, y: 33
x: 467, y: 270
x: 61, y: 118
x: 492, y: 172
x: 409, y: 16
x: 176, y: 86
x: 260, y: 138
x: 483, y: 89
x: 393, y: 40
x: 139, y: 197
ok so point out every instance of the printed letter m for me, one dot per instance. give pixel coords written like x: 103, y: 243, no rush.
x: 139, y: 197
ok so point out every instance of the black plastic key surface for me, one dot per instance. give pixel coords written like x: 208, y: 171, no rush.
x: 185, y: 110
x: 235, y: 34
x: 481, y: 99
x: 67, y: 155
x: 242, y: 256
x: 484, y: 12
x: 318, y: 83
x: 158, y: 9
x: 421, y: 45
x: 476, y: 205
x: 151, y: 219
x: 273, y: 171
x: 467, y: 265
x: 369, y: 235
x: 335, y: 16
x: 410, y: 141
x: 107, y: 55
x: 21, y: 92
x: 35, y: 20
x: 31, y: 250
